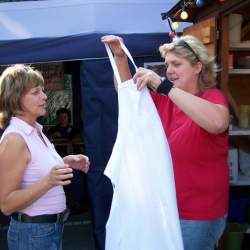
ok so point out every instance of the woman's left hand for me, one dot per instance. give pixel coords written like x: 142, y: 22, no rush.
x: 78, y: 162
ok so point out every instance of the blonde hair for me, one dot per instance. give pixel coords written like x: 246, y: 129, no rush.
x: 15, y: 81
x: 192, y: 49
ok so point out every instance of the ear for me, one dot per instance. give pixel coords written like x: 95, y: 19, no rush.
x: 198, y: 67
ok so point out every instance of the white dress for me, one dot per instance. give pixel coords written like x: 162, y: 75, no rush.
x: 143, y: 214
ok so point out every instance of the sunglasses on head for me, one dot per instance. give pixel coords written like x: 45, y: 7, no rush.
x: 184, y: 44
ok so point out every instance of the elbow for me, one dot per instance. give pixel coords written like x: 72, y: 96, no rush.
x: 218, y: 123
x: 6, y: 211
x: 6, y: 206
x: 219, y: 126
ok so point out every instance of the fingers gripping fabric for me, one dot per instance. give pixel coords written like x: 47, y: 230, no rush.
x: 143, y: 214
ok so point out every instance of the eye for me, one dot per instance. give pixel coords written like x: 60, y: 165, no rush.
x: 36, y: 91
x: 176, y: 64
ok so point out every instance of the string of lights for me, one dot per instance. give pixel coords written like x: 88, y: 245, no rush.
x: 182, y: 13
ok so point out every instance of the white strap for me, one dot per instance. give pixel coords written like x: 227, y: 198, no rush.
x: 128, y: 54
x: 113, y: 64
x: 112, y: 60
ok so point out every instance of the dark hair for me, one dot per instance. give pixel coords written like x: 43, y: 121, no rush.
x: 63, y: 111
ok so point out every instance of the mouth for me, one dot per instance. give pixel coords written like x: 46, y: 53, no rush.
x: 42, y: 106
x: 173, y: 79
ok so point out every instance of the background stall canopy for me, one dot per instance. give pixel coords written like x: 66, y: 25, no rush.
x: 42, y: 31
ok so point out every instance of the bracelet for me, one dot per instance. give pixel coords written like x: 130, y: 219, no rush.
x: 165, y: 86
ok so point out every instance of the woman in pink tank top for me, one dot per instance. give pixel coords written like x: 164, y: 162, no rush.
x: 32, y: 174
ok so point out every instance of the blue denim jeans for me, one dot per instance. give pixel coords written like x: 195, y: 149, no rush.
x: 34, y: 236
x: 203, y: 234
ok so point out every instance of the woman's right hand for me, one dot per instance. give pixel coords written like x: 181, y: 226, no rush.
x: 114, y: 44
x: 144, y: 77
x: 60, y: 175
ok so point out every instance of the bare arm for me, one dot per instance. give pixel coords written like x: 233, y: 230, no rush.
x: 14, y: 157
x: 78, y: 162
x: 119, y: 56
x: 214, y: 118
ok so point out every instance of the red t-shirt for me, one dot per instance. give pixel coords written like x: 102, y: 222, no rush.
x: 199, y: 160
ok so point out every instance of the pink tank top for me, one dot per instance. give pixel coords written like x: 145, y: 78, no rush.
x: 43, y: 158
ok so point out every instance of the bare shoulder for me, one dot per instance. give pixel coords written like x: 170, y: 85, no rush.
x: 13, y: 140
x: 13, y: 145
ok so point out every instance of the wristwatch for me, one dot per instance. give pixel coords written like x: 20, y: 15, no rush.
x: 165, y: 86
x: 151, y: 87
x: 163, y: 79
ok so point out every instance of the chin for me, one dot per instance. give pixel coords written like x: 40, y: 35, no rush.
x: 42, y: 113
x: 179, y: 85
x: 176, y: 84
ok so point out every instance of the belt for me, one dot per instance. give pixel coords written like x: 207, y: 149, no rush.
x: 45, y: 218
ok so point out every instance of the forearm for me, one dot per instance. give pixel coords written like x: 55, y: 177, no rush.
x: 123, y: 67
x: 211, y: 117
x: 22, y: 198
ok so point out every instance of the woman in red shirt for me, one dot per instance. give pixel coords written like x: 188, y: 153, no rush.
x: 195, y: 118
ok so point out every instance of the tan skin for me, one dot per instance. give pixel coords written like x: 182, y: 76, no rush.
x: 213, y: 118
x: 15, y: 155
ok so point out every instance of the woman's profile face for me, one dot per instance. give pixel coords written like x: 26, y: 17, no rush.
x: 181, y: 72
x: 34, y: 102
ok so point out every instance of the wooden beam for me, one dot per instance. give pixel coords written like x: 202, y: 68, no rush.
x: 224, y: 47
x: 216, y: 9
x: 245, y: 30
x: 211, y: 8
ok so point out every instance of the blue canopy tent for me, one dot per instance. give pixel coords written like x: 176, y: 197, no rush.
x: 62, y: 30
x: 57, y: 30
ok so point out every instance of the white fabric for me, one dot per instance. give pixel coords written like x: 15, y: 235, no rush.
x: 143, y: 214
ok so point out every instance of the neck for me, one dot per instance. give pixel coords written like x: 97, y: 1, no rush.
x: 30, y: 121
x: 193, y: 87
x: 193, y: 90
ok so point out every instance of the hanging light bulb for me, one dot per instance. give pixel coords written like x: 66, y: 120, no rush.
x: 175, y: 25
x: 171, y: 34
x: 184, y: 15
x: 221, y: 1
x: 199, y: 3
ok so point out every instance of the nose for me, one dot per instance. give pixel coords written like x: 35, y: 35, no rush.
x: 44, y: 96
x: 169, y: 69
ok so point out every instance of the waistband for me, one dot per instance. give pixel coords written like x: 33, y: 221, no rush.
x: 45, y: 218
